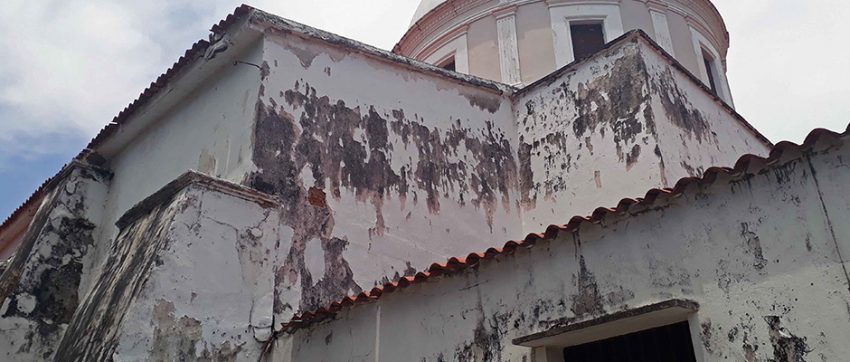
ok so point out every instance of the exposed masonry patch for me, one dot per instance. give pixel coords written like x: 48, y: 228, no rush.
x: 92, y: 334
x: 349, y: 148
x: 46, y: 295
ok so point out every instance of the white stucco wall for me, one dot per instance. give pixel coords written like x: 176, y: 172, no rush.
x: 189, y: 277
x: 617, y: 125
x: 758, y: 252
x: 209, y: 131
x: 413, y: 167
x: 378, y: 165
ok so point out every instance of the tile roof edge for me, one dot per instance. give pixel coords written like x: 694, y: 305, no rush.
x: 198, y: 49
x: 456, y: 264
x: 280, y: 23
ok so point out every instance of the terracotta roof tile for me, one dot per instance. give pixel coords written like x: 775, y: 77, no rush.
x: 745, y: 164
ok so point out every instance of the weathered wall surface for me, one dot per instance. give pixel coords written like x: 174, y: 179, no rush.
x: 45, y: 282
x: 378, y: 167
x: 381, y: 168
x: 758, y: 252
x: 188, y: 278
x: 209, y: 131
x: 614, y: 126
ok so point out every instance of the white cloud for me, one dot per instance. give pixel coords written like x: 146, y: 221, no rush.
x: 68, y: 67
x: 788, y: 64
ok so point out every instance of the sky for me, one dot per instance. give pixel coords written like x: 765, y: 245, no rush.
x: 68, y: 66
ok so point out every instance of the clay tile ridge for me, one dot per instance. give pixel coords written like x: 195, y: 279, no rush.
x: 745, y: 164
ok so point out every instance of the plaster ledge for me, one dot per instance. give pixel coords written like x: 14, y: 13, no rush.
x: 193, y: 178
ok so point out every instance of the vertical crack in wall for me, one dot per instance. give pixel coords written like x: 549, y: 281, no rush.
x: 828, y: 219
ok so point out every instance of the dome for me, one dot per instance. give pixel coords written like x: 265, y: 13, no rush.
x: 518, y: 42
x: 424, y: 7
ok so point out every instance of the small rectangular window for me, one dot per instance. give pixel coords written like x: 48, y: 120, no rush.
x: 588, y: 38
x: 709, y: 61
x: 448, y: 64
x: 670, y: 343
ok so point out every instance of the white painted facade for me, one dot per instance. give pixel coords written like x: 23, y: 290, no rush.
x: 758, y: 278
x: 324, y: 167
x: 681, y: 27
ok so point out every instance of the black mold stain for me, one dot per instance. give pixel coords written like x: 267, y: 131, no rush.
x: 662, y: 168
x: 668, y: 276
x: 632, y: 157
x: 588, y: 301
x: 487, y: 342
x: 786, y: 346
x: 56, y: 290
x: 485, y: 103
x: 526, y: 176
x: 753, y: 246
x: 47, y: 291
x: 617, y: 102
x: 614, y: 100
x: 349, y: 148
x: 338, y: 277
x: 91, y: 335
x: 706, y: 335
x: 679, y: 110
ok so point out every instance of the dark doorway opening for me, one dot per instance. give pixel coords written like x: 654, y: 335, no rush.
x: 588, y: 38
x: 664, y: 344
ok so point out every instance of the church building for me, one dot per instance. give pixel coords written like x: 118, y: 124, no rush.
x: 517, y: 180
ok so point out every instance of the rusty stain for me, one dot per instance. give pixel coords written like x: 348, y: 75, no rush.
x: 317, y: 197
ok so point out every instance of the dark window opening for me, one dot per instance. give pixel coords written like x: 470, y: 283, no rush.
x: 448, y: 64
x: 708, y: 61
x: 664, y: 344
x: 588, y: 38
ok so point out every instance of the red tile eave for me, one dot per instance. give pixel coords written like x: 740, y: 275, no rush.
x: 746, y: 163
x: 197, y: 50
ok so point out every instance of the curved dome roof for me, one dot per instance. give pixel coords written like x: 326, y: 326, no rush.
x: 424, y: 7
